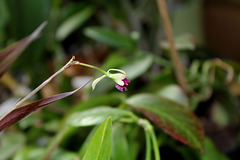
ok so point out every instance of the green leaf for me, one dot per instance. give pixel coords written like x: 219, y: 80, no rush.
x: 110, y: 37
x: 10, y: 143
x: 101, y: 143
x: 86, y: 142
x: 120, y: 148
x: 138, y: 67
x: 73, y: 22
x: 106, y: 99
x: 95, y: 116
x: 173, y: 118
x: 174, y: 93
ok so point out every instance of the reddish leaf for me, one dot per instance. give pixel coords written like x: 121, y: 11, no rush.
x: 8, y: 55
x: 174, y: 119
x: 21, y: 112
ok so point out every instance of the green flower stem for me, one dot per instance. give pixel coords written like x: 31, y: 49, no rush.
x: 90, y: 66
x: 149, y: 133
x: 149, y: 129
x: 155, y: 145
x: 148, y: 146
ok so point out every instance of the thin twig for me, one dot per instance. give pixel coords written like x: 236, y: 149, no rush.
x: 178, y: 66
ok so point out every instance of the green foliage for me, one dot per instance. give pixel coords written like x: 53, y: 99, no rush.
x: 73, y: 22
x: 171, y: 117
x: 96, y: 116
x: 110, y: 37
x: 101, y: 143
x: 154, y: 114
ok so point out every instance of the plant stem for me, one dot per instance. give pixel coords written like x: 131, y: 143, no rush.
x: 90, y: 66
x: 155, y: 145
x: 149, y: 129
x: 148, y: 146
x: 179, y: 68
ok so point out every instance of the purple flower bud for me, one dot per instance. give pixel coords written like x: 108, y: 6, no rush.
x: 124, y: 87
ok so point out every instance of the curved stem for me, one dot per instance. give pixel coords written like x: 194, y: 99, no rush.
x: 90, y: 66
x: 148, y: 146
x: 149, y: 129
x: 155, y: 145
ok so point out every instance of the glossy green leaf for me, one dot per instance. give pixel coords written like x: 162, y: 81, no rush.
x: 138, y: 67
x: 120, y: 149
x: 174, y: 119
x: 10, y: 144
x: 101, y: 143
x: 86, y: 142
x: 174, y: 93
x: 107, y: 99
x: 95, y: 116
x: 110, y: 37
x: 73, y: 22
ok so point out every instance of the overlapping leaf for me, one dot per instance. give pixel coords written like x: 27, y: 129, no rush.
x: 174, y: 119
x: 73, y: 23
x: 8, y: 55
x: 110, y: 37
x: 101, y: 144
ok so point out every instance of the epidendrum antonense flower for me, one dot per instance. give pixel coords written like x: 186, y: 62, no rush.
x: 120, y: 79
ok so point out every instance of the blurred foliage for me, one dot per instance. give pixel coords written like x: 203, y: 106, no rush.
x: 152, y: 116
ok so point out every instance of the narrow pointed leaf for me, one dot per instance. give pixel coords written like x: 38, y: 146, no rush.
x: 21, y: 112
x: 174, y: 119
x: 73, y: 22
x: 110, y: 37
x: 101, y: 144
x: 137, y: 67
x: 8, y: 55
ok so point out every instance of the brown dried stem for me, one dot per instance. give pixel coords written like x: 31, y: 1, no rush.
x: 178, y: 66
